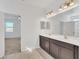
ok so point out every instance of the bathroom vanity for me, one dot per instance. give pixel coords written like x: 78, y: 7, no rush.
x: 61, y: 40
x: 60, y: 48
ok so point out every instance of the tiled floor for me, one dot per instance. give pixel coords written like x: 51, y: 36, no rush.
x: 12, y: 45
x: 35, y: 54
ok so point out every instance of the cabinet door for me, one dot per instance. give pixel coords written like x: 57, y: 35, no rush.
x: 41, y: 42
x: 54, y: 50
x: 66, y: 53
x: 44, y: 43
x: 78, y: 52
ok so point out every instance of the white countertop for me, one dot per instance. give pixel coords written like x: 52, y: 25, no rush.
x: 70, y: 40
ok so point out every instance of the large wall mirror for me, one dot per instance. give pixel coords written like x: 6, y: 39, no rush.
x: 69, y: 28
x: 66, y: 23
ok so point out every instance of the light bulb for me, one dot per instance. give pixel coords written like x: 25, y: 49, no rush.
x: 65, y: 6
x: 71, y: 4
x: 50, y: 13
x: 60, y: 9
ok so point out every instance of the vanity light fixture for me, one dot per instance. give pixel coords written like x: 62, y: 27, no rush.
x: 50, y: 13
x: 65, y: 7
x: 60, y: 8
x: 67, y: 4
x: 72, y: 2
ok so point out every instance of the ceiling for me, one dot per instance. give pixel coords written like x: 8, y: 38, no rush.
x: 40, y: 3
x: 44, y: 4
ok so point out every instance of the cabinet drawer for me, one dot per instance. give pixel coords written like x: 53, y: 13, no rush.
x: 63, y: 44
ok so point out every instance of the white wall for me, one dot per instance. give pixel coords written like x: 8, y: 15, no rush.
x: 30, y: 27
x: 30, y: 22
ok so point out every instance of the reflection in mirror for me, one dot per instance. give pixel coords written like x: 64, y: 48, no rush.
x: 48, y: 25
x: 42, y: 23
x: 45, y: 25
x: 68, y: 28
x: 77, y: 28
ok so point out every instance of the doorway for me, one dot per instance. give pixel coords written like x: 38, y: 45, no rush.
x: 12, y: 34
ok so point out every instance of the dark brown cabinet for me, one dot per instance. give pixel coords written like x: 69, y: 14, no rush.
x: 78, y: 52
x: 54, y: 50
x: 44, y: 43
x: 66, y: 53
x: 58, y: 49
